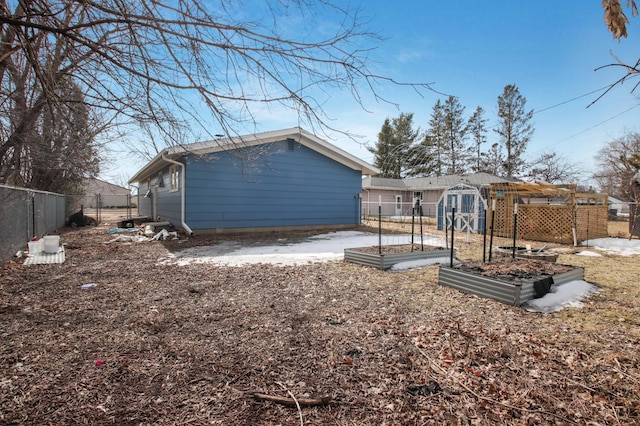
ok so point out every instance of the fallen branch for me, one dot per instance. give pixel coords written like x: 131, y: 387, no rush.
x: 303, y: 402
x: 294, y: 400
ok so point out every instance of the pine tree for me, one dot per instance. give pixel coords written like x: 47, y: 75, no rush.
x: 421, y: 158
x: 393, y: 149
x: 478, y: 131
x: 455, y: 131
x: 492, y: 160
x: 437, y: 137
x: 514, y: 129
x: 61, y: 150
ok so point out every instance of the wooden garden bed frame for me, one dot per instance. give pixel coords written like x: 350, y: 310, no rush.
x: 546, y: 212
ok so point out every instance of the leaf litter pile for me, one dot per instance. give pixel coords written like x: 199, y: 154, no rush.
x: 514, y: 269
x: 328, y: 343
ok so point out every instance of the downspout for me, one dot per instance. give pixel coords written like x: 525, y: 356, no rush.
x: 183, y: 190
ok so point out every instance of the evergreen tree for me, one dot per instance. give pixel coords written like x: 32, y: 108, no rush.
x: 514, y: 129
x: 493, y: 160
x: 59, y: 151
x: 478, y: 131
x: 421, y: 158
x: 437, y: 137
x: 455, y: 131
x: 393, y: 149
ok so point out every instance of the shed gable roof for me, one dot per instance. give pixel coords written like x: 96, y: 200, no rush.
x: 296, y: 133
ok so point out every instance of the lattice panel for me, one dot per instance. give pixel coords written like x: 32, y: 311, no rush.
x: 551, y: 223
x: 592, y: 222
x: 545, y: 223
x: 500, y: 218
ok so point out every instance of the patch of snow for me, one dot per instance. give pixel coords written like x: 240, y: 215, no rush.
x: 421, y: 263
x: 620, y: 246
x: 287, y: 252
x: 562, y: 296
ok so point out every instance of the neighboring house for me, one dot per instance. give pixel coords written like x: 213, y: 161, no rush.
x: 396, y: 196
x: 104, y: 194
x: 274, y: 180
x: 618, y: 207
x: 436, y: 195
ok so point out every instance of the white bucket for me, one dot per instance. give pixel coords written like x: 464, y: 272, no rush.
x: 36, y: 247
x: 51, y: 243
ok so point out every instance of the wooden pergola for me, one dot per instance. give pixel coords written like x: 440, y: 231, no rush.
x: 547, y: 212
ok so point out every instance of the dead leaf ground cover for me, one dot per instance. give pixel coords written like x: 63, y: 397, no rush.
x: 191, y: 344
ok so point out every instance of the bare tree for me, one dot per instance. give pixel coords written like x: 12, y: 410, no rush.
x: 552, y: 168
x: 616, y: 21
x: 171, y: 67
x: 617, y: 163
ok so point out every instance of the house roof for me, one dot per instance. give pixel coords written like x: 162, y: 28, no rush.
x: 431, y: 183
x: 296, y: 133
x: 613, y: 198
x: 96, y: 186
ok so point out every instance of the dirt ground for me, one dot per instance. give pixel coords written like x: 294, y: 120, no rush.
x: 152, y: 343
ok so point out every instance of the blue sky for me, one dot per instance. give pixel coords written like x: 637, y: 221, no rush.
x: 472, y: 49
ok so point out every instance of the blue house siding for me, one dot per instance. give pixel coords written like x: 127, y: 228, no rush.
x: 167, y: 203
x: 144, y: 203
x: 282, y: 188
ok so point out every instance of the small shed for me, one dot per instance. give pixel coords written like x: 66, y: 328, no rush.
x: 470, y: 209
x: 547, y: 212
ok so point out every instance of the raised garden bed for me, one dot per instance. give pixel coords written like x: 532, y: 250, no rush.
x: 393, y: 254
x: 510, y: 281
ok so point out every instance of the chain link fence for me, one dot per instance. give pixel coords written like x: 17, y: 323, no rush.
x: 26, y: 213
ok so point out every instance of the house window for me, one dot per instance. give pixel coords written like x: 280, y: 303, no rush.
x: 173, y: 178
x: 160, y: 180
x: 291, y: 144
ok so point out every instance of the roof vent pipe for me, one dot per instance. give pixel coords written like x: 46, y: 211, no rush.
x: 183, y: 198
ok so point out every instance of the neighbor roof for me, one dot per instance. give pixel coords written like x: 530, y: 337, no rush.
x: 434, y: 182
x: 296, y: 133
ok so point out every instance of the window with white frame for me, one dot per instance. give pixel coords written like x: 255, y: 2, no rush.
x: 173, y: 178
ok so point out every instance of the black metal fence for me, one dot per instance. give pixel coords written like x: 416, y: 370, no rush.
x: 96, y: 206
x: 397, y: 210
x: 25, y: 213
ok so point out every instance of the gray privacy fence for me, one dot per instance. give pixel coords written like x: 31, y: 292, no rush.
x: 25, y: 213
